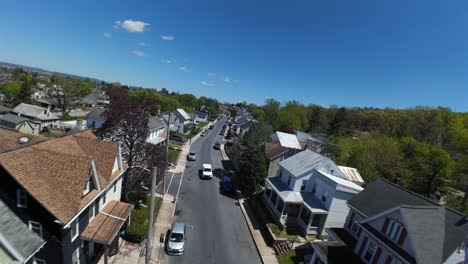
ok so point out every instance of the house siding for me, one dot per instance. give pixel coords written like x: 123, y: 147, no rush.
x: 338, y: 210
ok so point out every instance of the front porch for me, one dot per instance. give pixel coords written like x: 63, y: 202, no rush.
x: 101, y: 236
x: 295, y: 210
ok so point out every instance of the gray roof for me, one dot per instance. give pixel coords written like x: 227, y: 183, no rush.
x: 15, y: 236
x: 306, y: 161
x: 97, y: 113
x: 302, y: 136
x: 200, y: 114
x: 4, y: 109
x: 383, y: 195
x: 12, y: 119
x: 34, y: 111
x: 155, y: 122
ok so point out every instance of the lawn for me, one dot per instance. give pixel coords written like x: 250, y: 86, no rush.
x: 279, y: 233
x: 173, y: 155
x: 51, y: 135
x: 289, y: 258
x: 139, y: 218
x: 198, y: 128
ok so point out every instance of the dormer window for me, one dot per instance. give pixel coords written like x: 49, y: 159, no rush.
x: 88, y: 186
x: 21, y: 198
x: 393, y: 230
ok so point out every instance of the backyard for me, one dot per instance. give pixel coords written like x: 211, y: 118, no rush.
x: 139, y: 217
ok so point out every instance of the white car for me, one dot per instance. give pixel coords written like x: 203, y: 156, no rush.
x: 207, y: 171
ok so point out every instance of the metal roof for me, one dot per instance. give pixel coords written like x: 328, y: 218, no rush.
x: 183, y: 113
x: 286, y: 140
x: 307, y: 161
x: 352, y: 174
x: 35, y: 111
x: 342, y: 184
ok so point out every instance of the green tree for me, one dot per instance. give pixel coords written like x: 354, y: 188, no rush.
x: 11, y: 89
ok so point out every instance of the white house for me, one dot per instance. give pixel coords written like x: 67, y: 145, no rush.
x: 201, y: 116
x: 157, y: 131
x: 310, y: 192
x: 180, y: 121
x: 38, y: 114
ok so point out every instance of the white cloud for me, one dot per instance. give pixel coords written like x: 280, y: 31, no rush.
x: 107, y: 34
x: 138, y: 53
x: 227, y: 79
x: 184, y: 69
x: 168, y: 37
x: 143, y: 44
x: 131, y: 25
x: 206, y: 83
x: 211, y: 74
x: 167, y: 61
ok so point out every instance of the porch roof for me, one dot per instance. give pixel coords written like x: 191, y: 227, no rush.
x: 289, y: 196
x: 106, y: 225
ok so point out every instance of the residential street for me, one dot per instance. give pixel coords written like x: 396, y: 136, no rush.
x: 217, y: 231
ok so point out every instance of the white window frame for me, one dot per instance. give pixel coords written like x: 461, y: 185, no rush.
x: 92, y: 212
x: 39, y: 261
x: 394, y: 229
x: 367, y: 250
x: 21, y: 194
x: 87, y: 187
x: 77, y: 253
x: 115, y: 187
x: 75, y: 226
x: 31, y: 226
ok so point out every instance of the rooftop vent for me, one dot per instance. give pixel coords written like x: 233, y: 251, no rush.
x: 23, y: 140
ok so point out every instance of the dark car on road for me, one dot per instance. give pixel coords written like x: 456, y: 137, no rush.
x: 217, y: 146
x: 211, y: 127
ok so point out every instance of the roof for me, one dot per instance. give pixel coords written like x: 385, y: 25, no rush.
x: 201, y: 114
x: 15, y: 236
x: 382, y: 195
x: 339, y: 251
x: 155, y: 122
x: 55, y: 171
x: 183, y: 113
x: 106, y: 225
x: 352, y: 174
x: 207, y: 165
x: 12, y: 119
x: 178, y: 227
x: 342, y: 184
x: 4, y: 109
x: 286, y: 140
x: 305, y: 161
x: 9, y: 139
x: 97, y: 113
x: 35, y: 111
x: 302, y: 136
x: 273, y: 150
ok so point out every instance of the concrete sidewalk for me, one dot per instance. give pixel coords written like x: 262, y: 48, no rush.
x: 162, y: 225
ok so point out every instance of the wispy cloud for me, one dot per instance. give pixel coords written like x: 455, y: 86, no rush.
x: 107, y: 35
x: 205, y: 83
x: 167, y: 61
x: 143, y: 44
x: 211, y: 74
x: 138, y: 53
x: 132, y: 25
x: 167, y: 37
x: 184, y: 69
x: 227, y: 79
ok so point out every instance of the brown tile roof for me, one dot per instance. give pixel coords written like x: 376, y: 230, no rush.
x: 55, y: 171
x: 9, y: 139
x: 105, y: 227
x: 272, y: 150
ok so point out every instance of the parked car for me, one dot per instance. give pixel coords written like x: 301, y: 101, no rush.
x: 217, y: 146
x: 211, y: 127
x: 207, y: 171
x: 227, y: 184
x: 204, y: 133
x: 192, y: 156
x: 176, y: 241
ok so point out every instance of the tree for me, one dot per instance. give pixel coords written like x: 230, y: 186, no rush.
x: 66, y: 90
x: 11, y: 89
x: 127, y: 123
x: 272, y: 109
x: 252, y: 170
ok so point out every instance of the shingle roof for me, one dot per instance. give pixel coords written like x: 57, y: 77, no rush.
x: 306, y: 161
x: 55, y: 171
x: 286, y: 140
x: 383, y: 195
x: 4, y: 109
x: 200, y: 114
x: 155, y: 122
x: 97, y: 113
x: 16, y: 234
x: 9, y: 139
x: 273, y: 150
x: 11, y: 120
x: 34, y: 111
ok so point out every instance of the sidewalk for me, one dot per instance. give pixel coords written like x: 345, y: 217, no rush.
x: 162, y: 225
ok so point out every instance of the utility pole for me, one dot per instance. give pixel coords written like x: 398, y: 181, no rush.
x: 149, y: 240
x: 167, y: 153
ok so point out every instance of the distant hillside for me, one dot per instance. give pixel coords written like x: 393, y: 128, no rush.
x: 35, y: 69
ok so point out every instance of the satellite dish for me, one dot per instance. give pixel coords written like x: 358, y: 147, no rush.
x: 23, y: 140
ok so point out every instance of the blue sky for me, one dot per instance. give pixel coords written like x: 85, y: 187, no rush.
x: 396, y: 53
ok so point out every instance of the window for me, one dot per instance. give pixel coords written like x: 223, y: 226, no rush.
x: 314, y: 188
x: 76, y: 256
x: 354, y: 227
x: 115, y: 187
x: 324, y: 196
x: 38, y: 261
x: 88, y: 186
x: 303, y: 186
x: 92, y: 211
x: 393, y: 230
x: 289, y: 180
x: 104, y: 199
x: 21, y: 198
x: 74, y: 230
x: 370, y: 251
x: 36, y: 227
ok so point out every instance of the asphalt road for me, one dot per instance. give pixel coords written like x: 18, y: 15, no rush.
x: 217, y: 232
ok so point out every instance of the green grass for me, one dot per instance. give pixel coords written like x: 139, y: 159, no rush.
x: 51, y: 135
x: 277, y: 231
x: 288, y: 258
x: 173, y: 155
x: 198, y: 128
x: 139, y: 218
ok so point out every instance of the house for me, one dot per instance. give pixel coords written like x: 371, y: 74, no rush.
x: 10, y: 139
x: 19, y: 123
x: 315, y: 144
x: 157, y: 131
x: 275, y: 153
x: 389, y: 224
x: 201, y: 116
x: 19, y: 242
x: 95, y: 118
x: 67, y: 190
x: 352, y: 174
x: 180, y: 121
x: 37, y: 114
x: 309, y: 192
x: 89, y: 100
x: 286, y: 140
x: 4, y: 110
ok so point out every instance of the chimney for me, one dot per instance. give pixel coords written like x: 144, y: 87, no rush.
x: 79, y: 124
